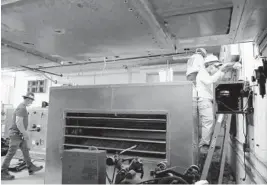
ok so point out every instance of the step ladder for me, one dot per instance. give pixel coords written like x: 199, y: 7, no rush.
x: 223, y: 122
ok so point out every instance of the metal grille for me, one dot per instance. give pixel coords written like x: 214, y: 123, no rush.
x: 115, y: 131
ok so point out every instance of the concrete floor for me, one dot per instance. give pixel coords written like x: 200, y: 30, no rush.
x: 24, y: 178
x: 38, y: 178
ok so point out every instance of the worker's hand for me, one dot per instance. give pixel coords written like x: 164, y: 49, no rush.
x: 237, y: 66
x: 227, y: 66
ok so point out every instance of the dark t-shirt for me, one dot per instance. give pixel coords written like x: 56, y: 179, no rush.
x: 20, y: 111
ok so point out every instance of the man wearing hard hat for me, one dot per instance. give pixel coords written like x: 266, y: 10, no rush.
x: 212, y: 72
x: 19, y: 138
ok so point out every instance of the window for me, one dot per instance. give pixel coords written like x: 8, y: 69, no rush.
x: 166, y: 75
x: 37, y: 86
x: 174, y: 76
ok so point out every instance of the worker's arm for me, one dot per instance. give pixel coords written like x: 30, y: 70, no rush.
x: 20, y: 125
x: 207, y: 79
x: 218, y: 75
x: 21, y: 113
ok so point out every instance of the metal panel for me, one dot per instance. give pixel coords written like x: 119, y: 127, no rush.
x: 77, y: 160
x: 172, y: 7
x: 147, y: 98
x: 77, y: 30
x: 202, y: 24
x: 176, y: 99
x: 38, y: 117
x: 253, y: 21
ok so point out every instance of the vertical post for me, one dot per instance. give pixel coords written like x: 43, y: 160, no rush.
x: 224, y: 152
x: 208, y: 160
x: 195, y: 131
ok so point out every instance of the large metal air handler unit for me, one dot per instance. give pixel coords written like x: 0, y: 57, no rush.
x: 157, y: 118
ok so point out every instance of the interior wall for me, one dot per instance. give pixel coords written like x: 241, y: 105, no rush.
x: 253, y: 165
x: 21, y: 85
x: 7, y: 89
x: 21, y: 79
x: 260, y: 104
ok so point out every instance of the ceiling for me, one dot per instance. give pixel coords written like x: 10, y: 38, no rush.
x: 60, y: 35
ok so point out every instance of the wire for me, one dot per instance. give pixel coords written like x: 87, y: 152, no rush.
x: 90, y: 147
x: 243, y: 109
x: 49, y: 78
x: 250, y: 93
x: 105, y: 64
x: 227, y: 106
x: 245, y: 135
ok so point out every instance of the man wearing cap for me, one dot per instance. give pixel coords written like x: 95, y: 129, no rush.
x: 19, y: 138
x: 212, y: 72
x: 194, y: 64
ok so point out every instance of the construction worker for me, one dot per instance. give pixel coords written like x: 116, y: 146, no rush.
x: 194, y: 64
x: 212, y: 72
x: 19, y: 138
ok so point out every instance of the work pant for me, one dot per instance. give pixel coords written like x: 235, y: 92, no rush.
x: 206, y: 121
x: 16, y: 142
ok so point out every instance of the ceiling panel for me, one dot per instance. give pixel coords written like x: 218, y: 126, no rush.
x: 201, y: 24
x: 167, y: 6
x: 253, y: 22
x: 78, y: 29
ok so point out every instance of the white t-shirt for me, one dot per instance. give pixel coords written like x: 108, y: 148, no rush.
x: 205, y: 81
x: 194, y: 64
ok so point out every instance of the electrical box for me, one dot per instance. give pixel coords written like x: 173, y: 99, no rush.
x: 37, y: 129
x: 232, y: 98
x: 81, y: 166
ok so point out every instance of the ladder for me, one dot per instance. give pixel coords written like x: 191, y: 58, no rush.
x: 223, y: 121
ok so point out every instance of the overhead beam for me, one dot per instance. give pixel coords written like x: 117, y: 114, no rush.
x: 262, y: 41
x: 196, y: 9
x: 29, y: 50
x: 38, y: 70
x: 7, y: 2
x: 238, y: 15
x: 206, y: 41
x: 157, y: 24
x: 121, y: 61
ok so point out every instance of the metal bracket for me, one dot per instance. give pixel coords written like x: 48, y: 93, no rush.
x: 41, y: 71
